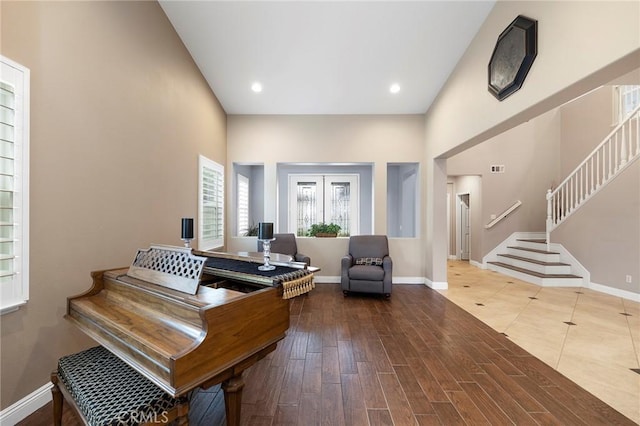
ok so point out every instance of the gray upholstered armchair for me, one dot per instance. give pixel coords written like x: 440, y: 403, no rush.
x: 286, y: 244
x: 367, y: 268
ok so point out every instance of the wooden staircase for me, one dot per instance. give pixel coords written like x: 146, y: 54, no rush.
x: 529, y: 260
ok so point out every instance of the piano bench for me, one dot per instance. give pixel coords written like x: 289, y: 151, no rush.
x: 104, y: 390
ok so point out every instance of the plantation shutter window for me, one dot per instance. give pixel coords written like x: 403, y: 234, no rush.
x: 211, y: 204
x: 14, y: 185
x: 243, y: 205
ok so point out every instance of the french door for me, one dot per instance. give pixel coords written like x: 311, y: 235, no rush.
x: 323, y: 198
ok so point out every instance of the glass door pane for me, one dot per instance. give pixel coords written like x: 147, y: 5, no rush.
x: 305, y: 207
x: 341, y: 203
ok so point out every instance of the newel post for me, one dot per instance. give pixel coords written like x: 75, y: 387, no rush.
x: 549, y: 217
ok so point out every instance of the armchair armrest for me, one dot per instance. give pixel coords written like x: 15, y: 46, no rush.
x: 345, y: 264
x: 303, y: 258
x: 387, y: 264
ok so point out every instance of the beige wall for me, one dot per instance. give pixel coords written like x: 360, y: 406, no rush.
x: 119, y: 114
x: 604, y: 235
x: 379, y: 140
x: 572, y: 58
x: 586, y: 121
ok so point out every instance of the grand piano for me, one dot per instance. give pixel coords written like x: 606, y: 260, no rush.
x: 186, y: 319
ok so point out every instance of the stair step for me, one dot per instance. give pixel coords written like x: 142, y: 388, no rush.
x: 537, y: 262
x: 533, y: 273
x: 544, y: 264
x: 535, y: 254
x: 532, y: 243
x: 533, y: 250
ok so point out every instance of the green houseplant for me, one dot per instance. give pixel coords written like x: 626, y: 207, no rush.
x: 324, y: 230
x: 252, y: 231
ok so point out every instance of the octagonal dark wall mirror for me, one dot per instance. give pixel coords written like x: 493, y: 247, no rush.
x: 512, y: 57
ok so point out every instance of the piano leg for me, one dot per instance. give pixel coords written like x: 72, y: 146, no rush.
x: 232, y: 388
x: 57, y: 400
x: 183, y: 413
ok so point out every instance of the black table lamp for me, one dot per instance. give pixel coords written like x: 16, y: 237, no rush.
x: 187, y: 231
x: 265, y: 234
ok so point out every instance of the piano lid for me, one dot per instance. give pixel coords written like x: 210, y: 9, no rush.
x: 168, y: 266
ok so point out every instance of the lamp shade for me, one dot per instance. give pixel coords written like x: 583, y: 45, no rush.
x: 187, y: 228
x: 265, y: 231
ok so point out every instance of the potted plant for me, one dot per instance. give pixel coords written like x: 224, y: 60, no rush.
x: 252, y: 231
x: 324, y: 230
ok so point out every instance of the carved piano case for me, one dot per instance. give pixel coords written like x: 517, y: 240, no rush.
x: 184, y: 321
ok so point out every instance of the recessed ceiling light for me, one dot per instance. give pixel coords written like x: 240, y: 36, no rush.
x: 395, y: 88
x: 256, y: 87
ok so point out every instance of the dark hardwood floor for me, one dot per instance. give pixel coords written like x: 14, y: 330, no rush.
x: 415, y: 359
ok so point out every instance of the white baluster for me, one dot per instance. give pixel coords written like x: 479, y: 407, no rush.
x: 583, y: 172
x: 610, y: 159
x: 550, y: 219
x: 597, y: 168
x: 578, y: 180
x: 570, y: 195
x: 592, y: 160
x: 623, y: 147
x: 561, y: 210
x: 572, y: 199
x: 616, y: 156
x: 638, y: 133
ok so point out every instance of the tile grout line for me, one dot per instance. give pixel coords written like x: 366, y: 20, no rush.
x: 633, y: 343
x: 564, y: 341
x: 521, y: 311
x: 495, y: 293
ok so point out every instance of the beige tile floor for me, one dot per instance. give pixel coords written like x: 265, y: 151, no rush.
x: 598, y: 352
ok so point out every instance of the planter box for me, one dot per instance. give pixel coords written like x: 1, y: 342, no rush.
x: 325, y: 235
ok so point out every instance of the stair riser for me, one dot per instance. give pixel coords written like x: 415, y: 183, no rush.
x: 543, y: 269
x: 542, y: 257
x: 544, y: 282
x: 531, y: 245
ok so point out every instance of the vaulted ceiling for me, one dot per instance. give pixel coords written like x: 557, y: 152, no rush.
x: 326, y: 57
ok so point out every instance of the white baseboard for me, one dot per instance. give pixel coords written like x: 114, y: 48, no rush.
x: 477, y: 264
x: 615, y: 292
x: 436, y: 285
x: 26, y: 406
x: 326, y: 279
x: 408, y: 280
x: 453, y: 257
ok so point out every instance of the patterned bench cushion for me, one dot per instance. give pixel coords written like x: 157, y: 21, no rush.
x: 110, y: 392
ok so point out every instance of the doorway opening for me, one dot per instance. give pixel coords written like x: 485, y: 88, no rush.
x: 463, y: 227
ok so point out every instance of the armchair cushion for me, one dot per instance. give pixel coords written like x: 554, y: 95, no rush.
x: 366, y: 273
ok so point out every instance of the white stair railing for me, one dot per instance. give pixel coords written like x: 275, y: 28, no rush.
x: 504, y: 214
x: 614, y: 154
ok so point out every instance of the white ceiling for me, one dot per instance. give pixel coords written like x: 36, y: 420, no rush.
x: 326, y: 57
